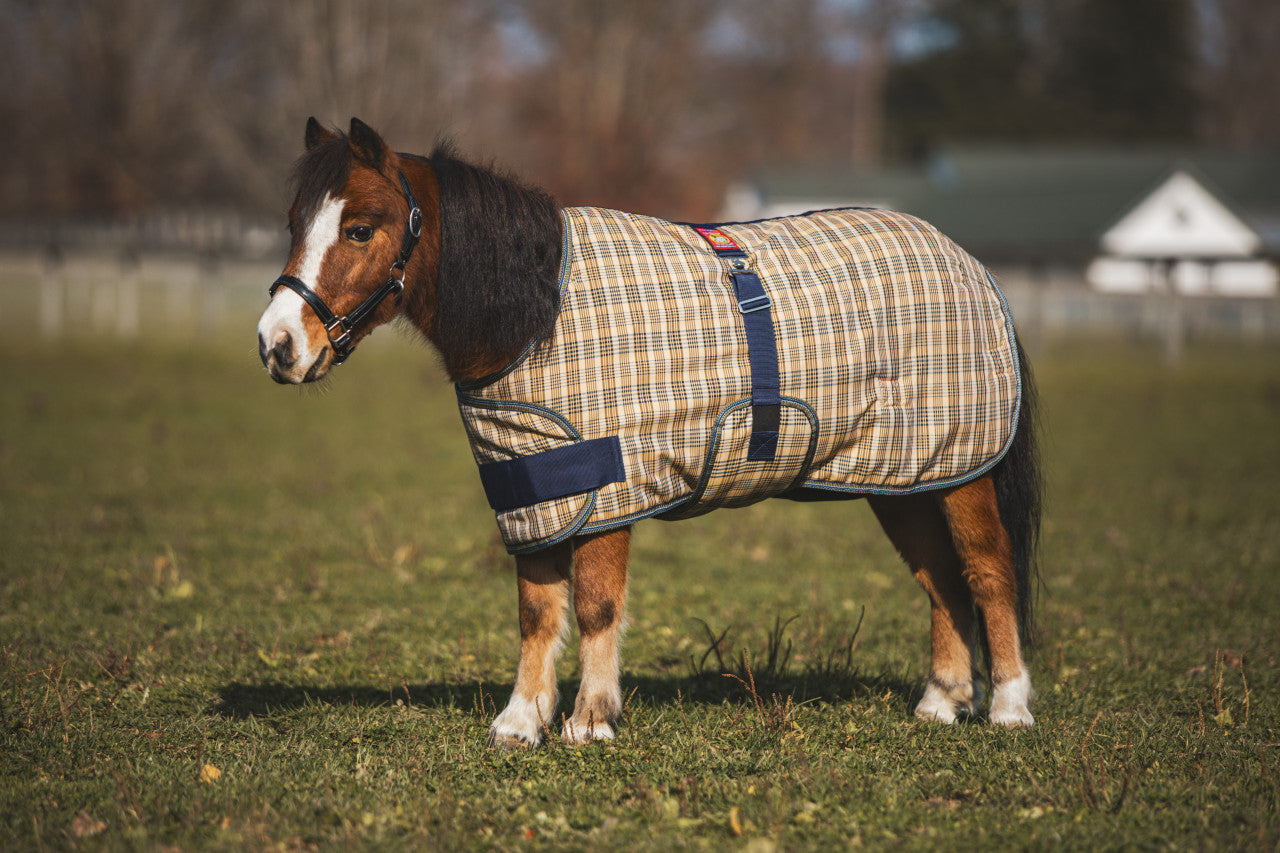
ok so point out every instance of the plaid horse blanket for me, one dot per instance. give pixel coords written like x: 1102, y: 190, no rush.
x: 838, y: 353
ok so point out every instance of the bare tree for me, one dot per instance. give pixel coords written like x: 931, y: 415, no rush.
x: 114, y: 106
x: 404, y: 65
x: 400, y: 65
x: 873, y: 24
x: 101, y: 98
x: 122, y: 105
x: 615, y: 93
x: 1242, y: 71
x: 810, y: 76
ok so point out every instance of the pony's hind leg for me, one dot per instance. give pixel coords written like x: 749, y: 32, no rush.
x: 918, y: 529
x: 543, y: 579
x: 984, y: 547
x: 599, y: 600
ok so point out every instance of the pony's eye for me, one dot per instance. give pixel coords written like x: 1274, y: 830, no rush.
x: 360, y: 233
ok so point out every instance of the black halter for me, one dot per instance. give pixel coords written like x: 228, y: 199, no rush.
x: 340, y: 329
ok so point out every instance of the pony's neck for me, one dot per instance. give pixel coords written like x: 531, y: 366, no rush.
x: 496, y: 286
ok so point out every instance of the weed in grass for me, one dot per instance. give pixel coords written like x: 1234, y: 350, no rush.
x: 1097, y: 775
x: 775, y: 717
x: 1223, y: 659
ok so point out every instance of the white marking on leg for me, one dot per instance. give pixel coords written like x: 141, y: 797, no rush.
x: 525, y: 717
x: 935, y: 705
x: 522, y: 720
x: 601, y: 667
x: 1009, y: 702
x: 945, y: 704
x: 586, y: 731
x: 583, y: 728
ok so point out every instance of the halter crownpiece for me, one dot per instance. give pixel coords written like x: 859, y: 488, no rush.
x: 340, y: 328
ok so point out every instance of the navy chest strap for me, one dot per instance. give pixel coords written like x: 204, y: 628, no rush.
x: 563, y: 471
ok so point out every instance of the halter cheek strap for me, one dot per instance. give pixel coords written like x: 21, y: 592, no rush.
x: 341, y: 328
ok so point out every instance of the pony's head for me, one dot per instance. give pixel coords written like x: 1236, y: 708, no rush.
x: 355, y: 224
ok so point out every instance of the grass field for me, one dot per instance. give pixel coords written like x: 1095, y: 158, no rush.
x: 237, y: 616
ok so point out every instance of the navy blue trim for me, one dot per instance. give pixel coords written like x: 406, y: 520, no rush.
x: 805, y: 494
x: 551, y: 474
x: 570, y: 431
x: 627, y: 520
x: 573, y: 527
x: 814, y: 430
x: 783, y: 216
x: 669, y: 512
x: 762, y: 354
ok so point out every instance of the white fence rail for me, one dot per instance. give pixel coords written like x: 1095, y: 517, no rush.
x: 95, y: 294
x: 98, y: 290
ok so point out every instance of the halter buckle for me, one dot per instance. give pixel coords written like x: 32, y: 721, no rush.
x: 343, y: 340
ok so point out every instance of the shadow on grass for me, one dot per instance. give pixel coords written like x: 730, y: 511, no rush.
x: 769, y: 682
x: 240, y: 700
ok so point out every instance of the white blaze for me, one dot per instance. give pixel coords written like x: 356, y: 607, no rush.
x: 284, y: 314
x: 322, y: 234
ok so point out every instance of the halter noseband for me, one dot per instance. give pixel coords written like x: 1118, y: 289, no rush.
x: 340, y: 329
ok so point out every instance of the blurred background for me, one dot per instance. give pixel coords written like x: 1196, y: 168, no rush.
x: 1116, y: 163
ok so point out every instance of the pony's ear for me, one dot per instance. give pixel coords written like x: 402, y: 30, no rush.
x: 367, y: 144
x: 317, y: 133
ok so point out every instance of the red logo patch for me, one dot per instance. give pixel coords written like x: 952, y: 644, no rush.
x: 718, y: 239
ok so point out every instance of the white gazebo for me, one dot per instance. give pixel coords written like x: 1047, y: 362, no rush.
x: 1182, y: 239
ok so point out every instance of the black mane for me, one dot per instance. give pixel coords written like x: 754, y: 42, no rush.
x: 498, y: 286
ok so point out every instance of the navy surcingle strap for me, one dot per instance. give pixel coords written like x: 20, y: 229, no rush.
x: 762, y: 353
x: 557, y: 473
x: 762, y: 345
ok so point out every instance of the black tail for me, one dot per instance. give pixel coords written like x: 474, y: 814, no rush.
x: 1019, y: 494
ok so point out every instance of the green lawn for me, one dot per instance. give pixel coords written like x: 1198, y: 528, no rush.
x: 234, y: 615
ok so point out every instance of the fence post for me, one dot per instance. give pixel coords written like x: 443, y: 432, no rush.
x: 52, y: 298
x: 1174, y: 317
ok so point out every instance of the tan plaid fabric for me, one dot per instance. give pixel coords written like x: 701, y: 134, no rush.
x: 896, y: 355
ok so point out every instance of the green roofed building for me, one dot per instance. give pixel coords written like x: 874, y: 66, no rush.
x: 1125, y: 220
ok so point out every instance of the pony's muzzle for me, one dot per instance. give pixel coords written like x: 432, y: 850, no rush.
x: 281, y: 351
x: 278, y: 357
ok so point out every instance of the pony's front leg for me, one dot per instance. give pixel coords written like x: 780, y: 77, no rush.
x: 599, y: 599
x: 543, y: 579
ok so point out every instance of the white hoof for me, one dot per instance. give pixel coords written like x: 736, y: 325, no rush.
x: 945, y: 705
x: 584, y: 732
x: 1009, y: 703
x: 518, y: 725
